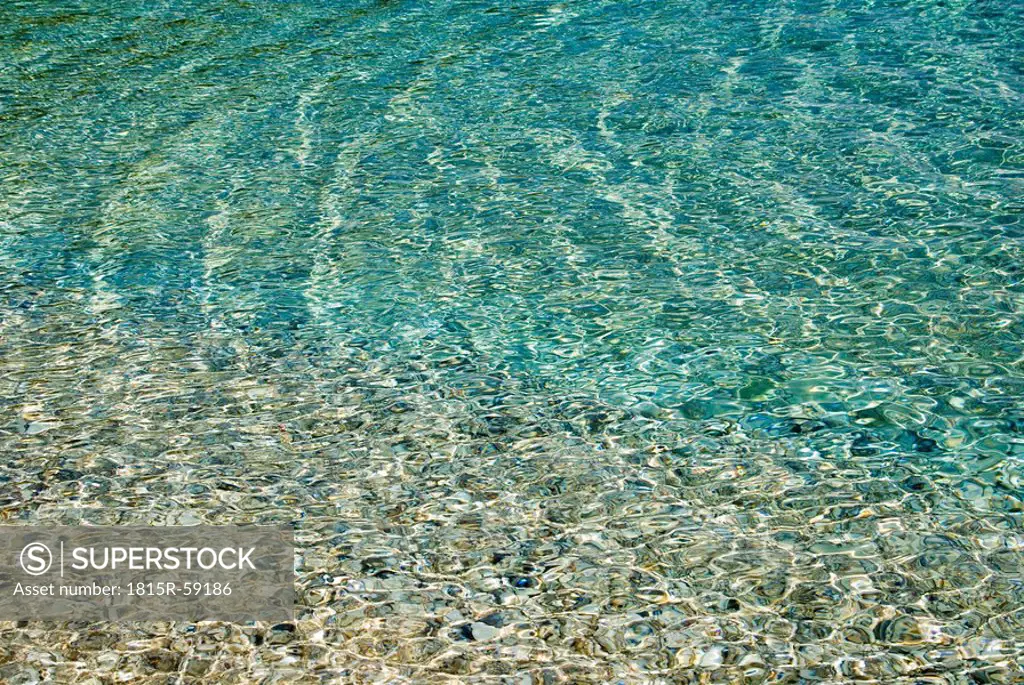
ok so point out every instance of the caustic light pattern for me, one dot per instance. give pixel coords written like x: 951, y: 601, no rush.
x: 580, y: 342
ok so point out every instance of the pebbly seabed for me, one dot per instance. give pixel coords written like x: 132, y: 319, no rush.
x: 579, y: 342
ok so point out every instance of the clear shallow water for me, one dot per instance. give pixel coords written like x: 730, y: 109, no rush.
x: 661, y: 340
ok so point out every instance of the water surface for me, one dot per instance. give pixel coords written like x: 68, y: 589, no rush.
x: 585, y: 342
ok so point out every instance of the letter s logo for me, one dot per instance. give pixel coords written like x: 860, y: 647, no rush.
x: 36, y: 558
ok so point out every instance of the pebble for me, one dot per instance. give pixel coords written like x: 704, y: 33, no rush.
x: 483, y: 632
x: 712, y: 658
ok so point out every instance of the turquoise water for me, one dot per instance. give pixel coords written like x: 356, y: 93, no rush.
x: 684, y: 338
